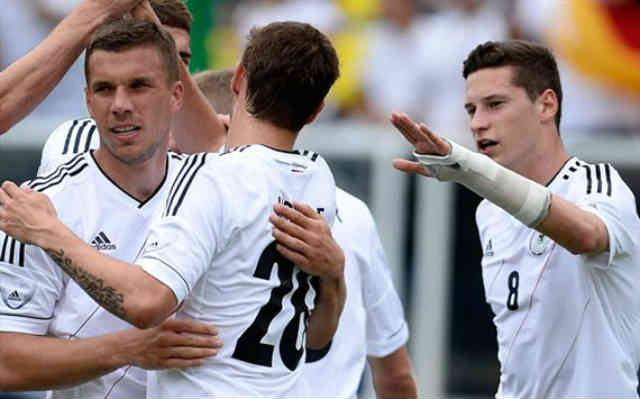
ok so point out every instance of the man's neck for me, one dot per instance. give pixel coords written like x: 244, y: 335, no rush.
x: 140, y: 180
x: 245, y: 129
x: 545, y: 162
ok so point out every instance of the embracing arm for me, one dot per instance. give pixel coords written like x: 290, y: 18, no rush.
x: 26, y: 82
x: 123, y: 289
x: 572, y: 227
x: 174, y: 344
x: 305, y: 239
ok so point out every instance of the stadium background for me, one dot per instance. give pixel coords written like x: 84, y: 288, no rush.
x: 427, y: 228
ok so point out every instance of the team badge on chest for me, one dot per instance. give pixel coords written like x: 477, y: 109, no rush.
x: 538, y: 243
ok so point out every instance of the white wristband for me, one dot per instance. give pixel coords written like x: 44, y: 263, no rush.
x: 525, y: 199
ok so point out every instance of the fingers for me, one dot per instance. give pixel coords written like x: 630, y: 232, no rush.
x: 11, y: 189
x: 301, y: 215
x: 440, y: 145
x: 410, y: 167
x: 189, y: 326
x: 406, y: 126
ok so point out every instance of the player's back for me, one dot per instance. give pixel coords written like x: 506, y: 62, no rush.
x: 216, y: 239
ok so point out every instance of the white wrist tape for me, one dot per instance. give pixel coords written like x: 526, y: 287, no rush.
x: 526, y: 200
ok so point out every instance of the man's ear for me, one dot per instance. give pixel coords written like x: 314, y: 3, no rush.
x: 237, y: 79
x: 548, y: 105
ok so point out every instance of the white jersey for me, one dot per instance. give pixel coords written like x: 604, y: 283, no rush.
x: 372, y: 314
x: 214, y: 248
x: 39, y: 298
x: 66, y: 141
x: 568, y: 325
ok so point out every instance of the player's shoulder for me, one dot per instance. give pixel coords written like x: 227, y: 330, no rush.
x: 66, y: 175
x: 351, y: 208
x: 593, y: 179
x: 72, y: 137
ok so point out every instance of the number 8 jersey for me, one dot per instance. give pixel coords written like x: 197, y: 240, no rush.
x: 214, y: 248
x: 568, y: 325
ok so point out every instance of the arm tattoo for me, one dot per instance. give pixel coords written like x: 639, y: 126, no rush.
x: 107, y: 297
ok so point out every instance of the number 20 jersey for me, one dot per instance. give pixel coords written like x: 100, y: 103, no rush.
x: 214, y: 248
x: 568, y: 325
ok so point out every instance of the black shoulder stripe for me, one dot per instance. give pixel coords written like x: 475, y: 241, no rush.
x: 76, y: 146
x: 70, y: 173
x: 69, y: 134
x: 21, y: 252
x: 607, y: 174
x: 314, y: 156
x: 588, y: 171
x: 62, y: 169
x: 173, y: 204
x: 87, y: 144
x: 177, y: 182
x: 4, y: 248
x: 599, y: 178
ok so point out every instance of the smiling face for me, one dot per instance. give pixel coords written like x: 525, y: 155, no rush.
x: 504, y: 121
x: 132, y: 100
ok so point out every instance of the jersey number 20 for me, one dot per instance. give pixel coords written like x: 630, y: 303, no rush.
x: 249, y: 348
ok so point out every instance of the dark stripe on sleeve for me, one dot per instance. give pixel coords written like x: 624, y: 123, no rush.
x: 12, y: 251
x: 4, y: 248
x: 314, y: 156
x: 607, y: 174
x: 21, y: 260
x: 588, y: 171
x: 599, y: 178
x: 184, y: 171
x: 57, y: 172
x: 76, y: 146
x: 69, y: 174
x: 69, y: 134
x: 87, y: 145
x: 186, y: 188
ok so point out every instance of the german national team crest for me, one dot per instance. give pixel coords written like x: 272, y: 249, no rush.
x: 538, y: 243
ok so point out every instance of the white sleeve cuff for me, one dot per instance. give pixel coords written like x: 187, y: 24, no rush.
x: 24, y: 324
x: 167, y: 275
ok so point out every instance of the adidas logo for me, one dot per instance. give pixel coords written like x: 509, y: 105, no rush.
x: 488, y: 250
x: 14, y: 296
x: 102, y: 243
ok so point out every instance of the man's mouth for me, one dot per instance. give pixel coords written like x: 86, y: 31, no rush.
x: 485, y: 144
x: 123, y: 130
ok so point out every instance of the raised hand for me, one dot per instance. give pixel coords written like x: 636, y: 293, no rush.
x: 423, y: 140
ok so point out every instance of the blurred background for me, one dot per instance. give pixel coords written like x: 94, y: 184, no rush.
x: 403, y: 55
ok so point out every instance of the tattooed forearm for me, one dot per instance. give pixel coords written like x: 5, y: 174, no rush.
x: 107, y: 297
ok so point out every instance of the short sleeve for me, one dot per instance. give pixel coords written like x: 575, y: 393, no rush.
x: 617, y: 209
x: 386, y: 327
x: 30, y: 287
x: 182, y: 242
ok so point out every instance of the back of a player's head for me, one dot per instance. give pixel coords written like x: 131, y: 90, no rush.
x: 535, y: 68
x: 124, y: 34
x: 173, y: 13
x: 216, y: 87
x: 289, y: 68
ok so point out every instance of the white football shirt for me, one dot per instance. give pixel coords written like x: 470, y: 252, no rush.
x: 372, y: 322
x: 567, y: 325
x: 66, y: 141
x: 214, y: 249
x: 39, y: 298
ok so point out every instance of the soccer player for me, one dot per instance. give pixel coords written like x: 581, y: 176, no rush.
x: 372, y: 311
x: 79, y: 135
x: 216, y: 87
x: 108, y: 198
x: 212, y: 251
x: 561, y: 259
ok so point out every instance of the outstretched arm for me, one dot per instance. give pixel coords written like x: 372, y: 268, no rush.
x: 305, y: 239
x: 123, y: 289
x: 572, y: 227
x: 173, y: 344
x: 26, y: 82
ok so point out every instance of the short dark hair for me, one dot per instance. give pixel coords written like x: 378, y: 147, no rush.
x: 216, y: 87
x: 126, y: 33
x: 289, y: 67
x: 535, y: 68
x: 173, y: 13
